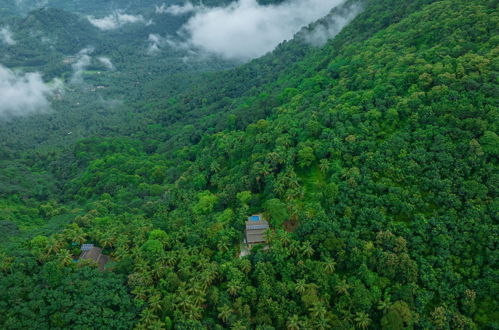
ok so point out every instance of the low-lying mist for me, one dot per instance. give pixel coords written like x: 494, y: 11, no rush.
x: 23, y: 93
x: 246, y: 29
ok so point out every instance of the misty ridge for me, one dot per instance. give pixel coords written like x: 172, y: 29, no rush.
x: 116, y: 20
x: 239, y: 31
x: 249, y: 164
x: 245, y: 29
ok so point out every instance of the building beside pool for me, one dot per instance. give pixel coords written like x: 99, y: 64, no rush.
x: 256, y: 226
x: 91, y: 252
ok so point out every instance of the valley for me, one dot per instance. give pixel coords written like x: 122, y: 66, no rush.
x: 363, y: 142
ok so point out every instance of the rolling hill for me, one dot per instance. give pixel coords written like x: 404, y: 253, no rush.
x: 373, y: 156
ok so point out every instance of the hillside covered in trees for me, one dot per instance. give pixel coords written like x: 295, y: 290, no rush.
x: 373, y: 156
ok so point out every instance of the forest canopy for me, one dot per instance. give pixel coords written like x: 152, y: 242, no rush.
x: 373, y: 158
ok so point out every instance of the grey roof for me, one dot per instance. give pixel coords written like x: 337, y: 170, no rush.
x: 256, y: 223
x: 255, y: 236
x: 95, y: 254
x: 86, y: 247
x: 255, y: 231
x: 257, y: 227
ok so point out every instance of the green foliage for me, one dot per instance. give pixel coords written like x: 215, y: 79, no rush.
x: 277, y: 212
x: 377, y: 152
x: 153, y: 248
x: 158, y: 235
x: 55, y: 297
x: 398, y: 316
x: 206, y: 203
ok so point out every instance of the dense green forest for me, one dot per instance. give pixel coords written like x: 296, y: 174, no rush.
x: 374, y: 157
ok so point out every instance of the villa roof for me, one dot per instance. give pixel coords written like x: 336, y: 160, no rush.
x: 86, y: 247
x: 256, y: 227
x: 95, y: 254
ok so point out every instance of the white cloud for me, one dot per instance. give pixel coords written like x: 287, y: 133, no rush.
x: 245, y: 29
x: 116, y: 20
x: 177, y: 10
x: 6, y: 36
x: 23, y: 94
x: 330, y: 26
x: 107, y: 62
x: 155, y: 41
x: 83, y: 59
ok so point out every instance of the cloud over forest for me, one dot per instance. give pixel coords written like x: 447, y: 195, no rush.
x: 6, y: 36
x: 83, y: 60
x: 23, y: 93
x: 246, y: 29
x: 115, y: 20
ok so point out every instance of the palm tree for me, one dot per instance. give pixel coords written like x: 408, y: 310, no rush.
x: 293, y: 180
x: 197, y: 292
x: 65, y: 257
x: 184, y: 269
x: 233, y: 287
x: 120, y: 253
x: 383, y: 305
x: 193, y: 312
x: 279, y: 187
x: 269, y: 236
x: 141, y: 265
x: 362, y: 319
x: 307, y: 249
x: 346, y: 315
x: 294, y: 247
x: 223, y: 246
x: 293, y: 323
x: 215, y: 167
x: 245, y: 265
x: 107, y: 239
x: 206, y: 279
x: 199, y: 298
x: 156, y: 325
x: 321, y: 323
x: 283, y: 237
x: 265, y: 170
x: 140, y: 292
x: 318, y: 311
x: 224, y: 313
x: 53, y: 246
x: 155, y: 302
x: 301, y: 286
x: 274, y: 158
x: 147, y: 316
x: 158, y: 271
x: 342, y: 287
x: 75, y: 234
x: 329, y: 266
x: 239, y: 326
x: 170, y: 259
x: 323, y: 165
x: 184, y: 301
x: 5, y: 262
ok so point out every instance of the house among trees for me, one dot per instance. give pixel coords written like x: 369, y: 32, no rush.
x: 255, y: 230
x: 91, y: 252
